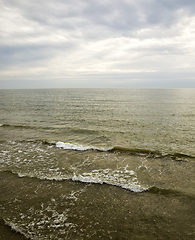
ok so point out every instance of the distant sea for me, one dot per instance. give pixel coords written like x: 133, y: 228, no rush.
x: 97, y: 164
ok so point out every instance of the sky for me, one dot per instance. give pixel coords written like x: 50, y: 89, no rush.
x: 93, y: 43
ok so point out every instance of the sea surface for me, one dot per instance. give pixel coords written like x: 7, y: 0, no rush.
x: 97, y: 164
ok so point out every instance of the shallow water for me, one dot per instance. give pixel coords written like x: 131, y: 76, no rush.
x: 97, y: 164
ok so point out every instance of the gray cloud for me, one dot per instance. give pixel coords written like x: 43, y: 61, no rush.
x: 31, y: 53
x: 61, y: 39
x: 114, y: 15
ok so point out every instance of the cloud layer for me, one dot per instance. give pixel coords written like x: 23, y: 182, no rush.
x: 83, y: 43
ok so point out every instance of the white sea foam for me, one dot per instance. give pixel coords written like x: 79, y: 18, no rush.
x: 133, y: 186
x: 43, y: 165
x: 70, y: 146
x: 97, y: 177
x: 125, y: 179
x: 21, y: 175
x: 78, y: 147
x: 17, y: 228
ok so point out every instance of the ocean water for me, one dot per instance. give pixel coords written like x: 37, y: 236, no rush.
x: 97, y: 164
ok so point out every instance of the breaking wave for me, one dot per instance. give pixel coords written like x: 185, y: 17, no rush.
x: 102, y: 176
x: 133, y: 151
x: 79, y: 147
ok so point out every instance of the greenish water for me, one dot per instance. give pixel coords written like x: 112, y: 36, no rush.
x: 97, y: 164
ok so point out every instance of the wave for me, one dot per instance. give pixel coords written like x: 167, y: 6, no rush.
x: 18, y: 126
x: 152, y: 153
x: 58, y: 127
x: 133, y: 151
x: 90, y: 178
x: 79, y: 147
x: 148, y: 153
x: 132, y: 187
x: 168, y: 192
x: 22, y: 126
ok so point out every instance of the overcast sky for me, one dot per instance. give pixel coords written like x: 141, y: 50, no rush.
x: 93, y: 43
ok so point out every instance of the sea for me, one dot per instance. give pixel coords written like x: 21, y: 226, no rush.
x: 82, y: 164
